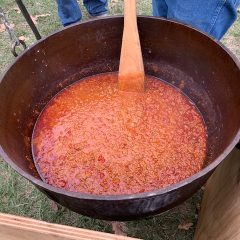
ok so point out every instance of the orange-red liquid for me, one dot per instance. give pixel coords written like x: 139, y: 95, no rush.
x: 92, y: 138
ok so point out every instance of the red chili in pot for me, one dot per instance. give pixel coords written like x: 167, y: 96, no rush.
x: 95, y: 139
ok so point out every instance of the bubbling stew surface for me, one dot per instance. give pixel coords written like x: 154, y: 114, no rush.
x: 93, y: 138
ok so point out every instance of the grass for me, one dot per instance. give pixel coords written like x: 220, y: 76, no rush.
x: 20, y: 197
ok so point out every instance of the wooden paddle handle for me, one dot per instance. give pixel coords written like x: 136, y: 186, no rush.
x: 131, y: 69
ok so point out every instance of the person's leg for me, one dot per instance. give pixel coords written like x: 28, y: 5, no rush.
x: 69, y: 11
x: 160, y: 8
x: 210, y: 16
x: 96, y: 7
x: 225, y: 19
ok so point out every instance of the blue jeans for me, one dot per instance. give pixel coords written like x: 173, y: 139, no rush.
x: 69, y: 10
x: 213, y: 17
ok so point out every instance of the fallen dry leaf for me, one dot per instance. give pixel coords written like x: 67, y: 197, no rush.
x: 35, y: 18
x: 2, y: 27
x: 185, y: 226
x: 198, y: 206
x: 54, y: 206
x: 119, y: 228
x: 23, y: 38
x: 17, y: 9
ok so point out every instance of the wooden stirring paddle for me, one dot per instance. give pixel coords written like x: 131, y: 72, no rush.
x: 131, y: 69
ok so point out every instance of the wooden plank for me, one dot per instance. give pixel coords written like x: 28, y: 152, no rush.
x: 21, y: 228
x: 220, y: 211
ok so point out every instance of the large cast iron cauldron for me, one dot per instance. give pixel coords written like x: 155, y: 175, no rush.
x: 182, y: 56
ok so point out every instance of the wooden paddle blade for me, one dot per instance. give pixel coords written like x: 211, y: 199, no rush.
x: 131, y: 69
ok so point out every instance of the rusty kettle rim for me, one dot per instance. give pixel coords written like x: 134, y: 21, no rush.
x: 149, y: 194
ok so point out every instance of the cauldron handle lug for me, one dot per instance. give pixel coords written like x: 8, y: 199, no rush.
x: 16, y: 44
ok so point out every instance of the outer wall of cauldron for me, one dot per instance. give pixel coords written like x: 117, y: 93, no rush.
x: 185, y: 58
x: 128, y: 209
